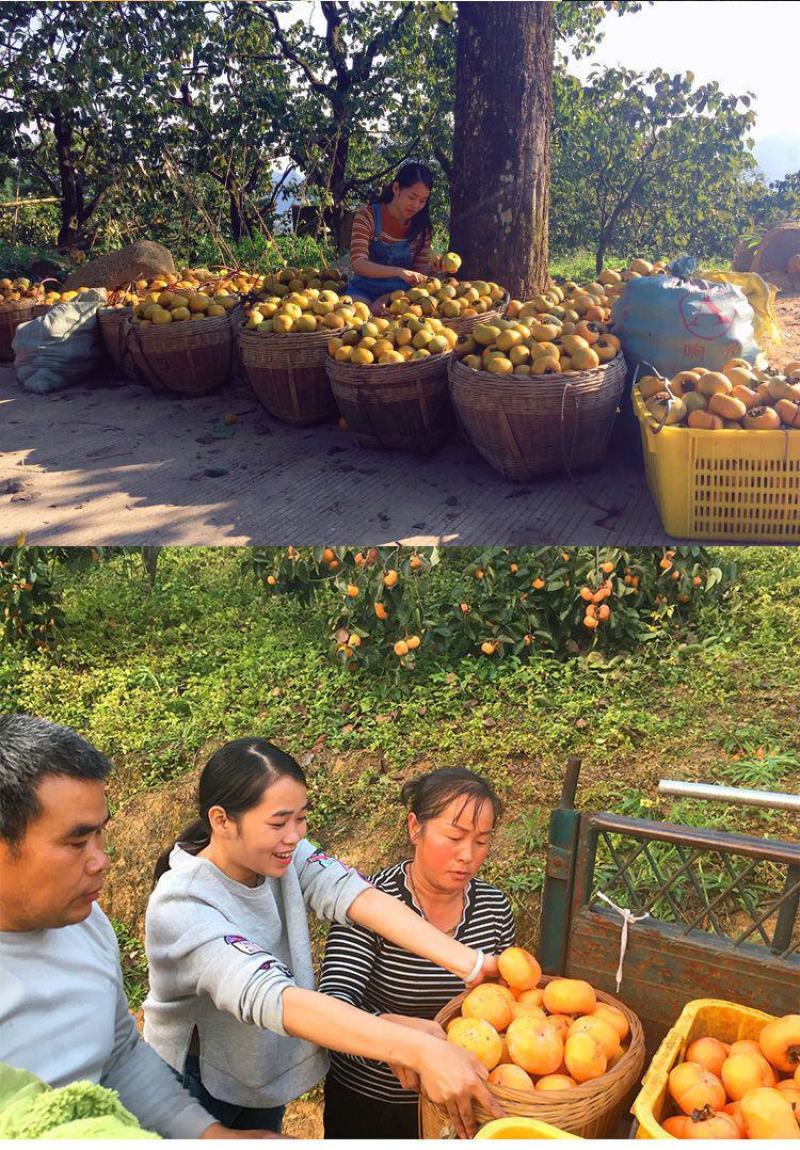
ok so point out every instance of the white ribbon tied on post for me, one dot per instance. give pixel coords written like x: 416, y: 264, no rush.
x: 628, y: 918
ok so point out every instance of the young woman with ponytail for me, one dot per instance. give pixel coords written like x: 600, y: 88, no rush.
x: 390, y: 246
x: 232, y: 1006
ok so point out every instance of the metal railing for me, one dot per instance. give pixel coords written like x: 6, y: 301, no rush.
x: 702, y: 882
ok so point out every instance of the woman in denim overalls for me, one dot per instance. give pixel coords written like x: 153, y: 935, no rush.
x: 406, y: 202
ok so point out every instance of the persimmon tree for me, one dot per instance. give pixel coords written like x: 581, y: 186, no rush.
x: 649, y: 161
x: 350, y: 80
x: 74, y: 86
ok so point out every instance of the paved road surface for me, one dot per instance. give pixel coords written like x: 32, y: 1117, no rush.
x: 111, y: 463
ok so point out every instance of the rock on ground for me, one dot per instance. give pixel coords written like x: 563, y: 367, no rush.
x: 142, y: 260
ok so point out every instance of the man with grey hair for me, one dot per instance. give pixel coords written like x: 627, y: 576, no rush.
x: 63, y: 1011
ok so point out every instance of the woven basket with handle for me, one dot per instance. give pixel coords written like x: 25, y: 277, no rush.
x: 112, y: 322
x: 287, y: 374
x: 525, y: 426
x: 462, y: 324
x: 190, y: 359
x: 12, y: 314
x: 590, y: 1109
x: 402, y: 406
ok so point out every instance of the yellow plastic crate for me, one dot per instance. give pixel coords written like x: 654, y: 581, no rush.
x: 519, y: 1127
x: 726, y: 486
x: 726, y: 1021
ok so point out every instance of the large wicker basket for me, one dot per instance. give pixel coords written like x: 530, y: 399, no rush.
x: 525, y: 426
x: 113, y: 322
x: 402, y: 406
x: 11, y: 316
x: 189, y: 359
x: 40, y: 309
x: 463, y: 324
x: 287, y: 373
x: 591, y: 1109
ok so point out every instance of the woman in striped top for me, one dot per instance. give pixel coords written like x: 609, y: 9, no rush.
x: 391, y: 241
x: 452, y: 815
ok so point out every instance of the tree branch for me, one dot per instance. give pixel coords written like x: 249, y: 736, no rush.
x: 273, y: 199
x: 444, y: 161
x: 289, y: 53
x: 363, y: 61
x: 358, y: 182
x: 93, y: 203
x: 42, y: 173
x: 334, y: 19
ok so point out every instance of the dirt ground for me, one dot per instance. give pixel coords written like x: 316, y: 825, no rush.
x: 107, y: 464
x: 788, y: 309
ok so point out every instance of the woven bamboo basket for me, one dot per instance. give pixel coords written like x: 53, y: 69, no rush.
x: 526, y: 426
x: 401, y: 406
x: 40, y: 309
x: 463, y: 325
x: 189, y: 359
x: 112, y: 322
x: 287, y: 374
x: 11, y: 316
x: 590, y: 1110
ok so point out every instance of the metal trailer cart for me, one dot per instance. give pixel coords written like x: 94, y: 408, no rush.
x: 716, y: 914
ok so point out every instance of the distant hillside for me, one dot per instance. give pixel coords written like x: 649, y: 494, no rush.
x: 777, y: 156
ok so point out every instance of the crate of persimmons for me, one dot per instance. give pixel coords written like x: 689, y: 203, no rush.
x: 723, y: 1071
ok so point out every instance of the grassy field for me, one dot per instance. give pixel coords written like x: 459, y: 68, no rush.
x: 580, y: 265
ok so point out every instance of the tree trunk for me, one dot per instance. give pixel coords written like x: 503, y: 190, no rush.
x: 71, y: 192
x: 501, y: 144
x: 150, y: 563
x: 338, y: 169
x: 600, y: 254
x: 235, y: 214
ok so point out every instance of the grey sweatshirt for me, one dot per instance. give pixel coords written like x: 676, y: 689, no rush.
x: 221, y: 955
x: 64, y: 1017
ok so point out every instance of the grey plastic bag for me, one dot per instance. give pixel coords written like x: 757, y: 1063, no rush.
x: 61, y: 347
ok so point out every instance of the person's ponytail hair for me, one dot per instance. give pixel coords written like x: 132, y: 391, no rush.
x: 408, y: 175
x: 234, y: 778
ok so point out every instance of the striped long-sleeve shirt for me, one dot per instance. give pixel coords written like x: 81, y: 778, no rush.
x: 391, y: 231
x: 380, y: 977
